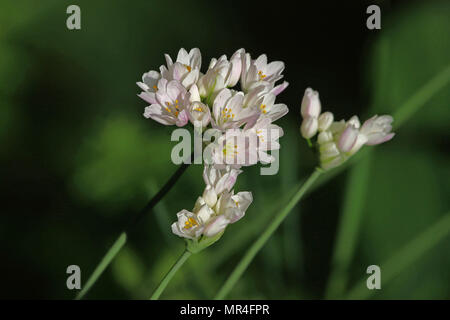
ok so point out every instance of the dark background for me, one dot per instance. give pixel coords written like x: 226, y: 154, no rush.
x: 78, y: 159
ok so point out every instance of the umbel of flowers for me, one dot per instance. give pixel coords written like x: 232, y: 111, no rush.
x: 180, y: 93
x: 339, y: 140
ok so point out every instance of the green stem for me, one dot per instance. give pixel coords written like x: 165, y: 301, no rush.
x: 352, y: 212
x: 422, y: 96
x: 348, y: 227
x: 411, y: 252
x: 121, y: 240
x: 259, y: 243
x: 165, y: 281
x: 112, y: 252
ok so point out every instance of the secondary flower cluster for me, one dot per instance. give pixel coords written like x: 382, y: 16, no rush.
x: 216, y: 208
x: 339, y: 140
x: 179, y: 93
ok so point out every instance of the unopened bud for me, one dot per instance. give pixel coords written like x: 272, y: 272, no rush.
x: 309, y: 127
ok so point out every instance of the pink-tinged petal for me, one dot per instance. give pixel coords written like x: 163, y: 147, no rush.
x: 279, y: 88
x: 182, y: 118
x: 143, y: 86
x: 348, y: 139
x: 274, y: 69
x: 220, y: 101
x: 252, y: 75
x: 261, y: 62
x: 216, y: 226
x: 246, y: 59
x: 150, y: 97
x: 165, y: 120
x: 311, y: 105
x: 174, y: 89
x: 377, y: 139
x: 162, y: 84
x: 195, y: 58
x: 354, y: 121
x: 169, y: 61
x: 178, y: 71
x: 309, y: 127
x: 164, y: 72
x: 277, y: 111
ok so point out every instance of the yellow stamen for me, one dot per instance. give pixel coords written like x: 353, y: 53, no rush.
x: 261, y: 75
x: 190, y: 223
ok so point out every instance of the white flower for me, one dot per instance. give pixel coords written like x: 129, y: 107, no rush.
x: 257, y: 72
x: 229, y: 209
x: 265, y: 106
x: 185, y: 69
x: 229, y: 111
x: 378, y: 129
x: 187, y: 226
x: 199, y: 114
x: 221, y: 74
x: 267, y: 134
x: 233, y: 206
x: 342, y: 138
x: 220, y: 180
x: 169, y: 107
x: 150, y: 85
x: 230, y: 71
x: 235, y: 148
x: 210, y: 215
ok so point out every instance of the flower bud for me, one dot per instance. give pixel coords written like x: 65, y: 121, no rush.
x: 309, y: 127
x: 378, y: 129
x: 354, y: 121
x: 325, y: 121
x: 210, y: 196
x: 310, y: 104
x: 348, y: 138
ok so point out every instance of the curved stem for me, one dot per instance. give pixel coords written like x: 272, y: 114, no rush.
x: 112, y: 252
x: 165, y: 281
x: 262, y: 239
x: 122, y: 238
x: 348, y: 227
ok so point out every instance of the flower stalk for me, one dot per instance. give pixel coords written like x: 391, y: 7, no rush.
x: 165, y: 281
x: 122, y: 238
x: 262, y: 239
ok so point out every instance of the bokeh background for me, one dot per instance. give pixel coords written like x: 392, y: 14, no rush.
x: 78, y: 159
